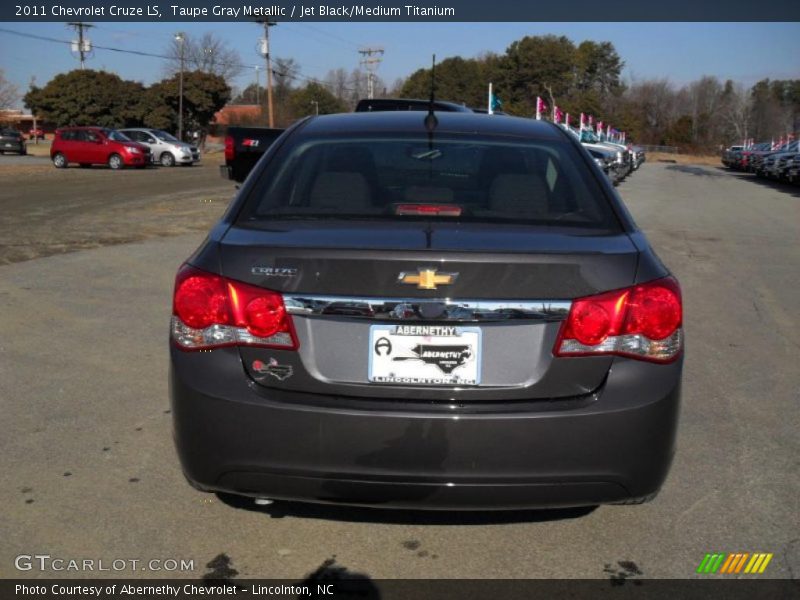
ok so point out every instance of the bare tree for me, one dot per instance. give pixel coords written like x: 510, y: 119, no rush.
x: 207, y: 53
x: 9, y: 93
x: 705, y: 96
x: 738, y: 110
x: 337, y: 82
x: 397, y: 86
x: 285, y: 72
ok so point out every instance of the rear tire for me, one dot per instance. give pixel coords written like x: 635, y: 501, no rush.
x: 59, y: 160
x: 167, y: 160
x: 115, y: 162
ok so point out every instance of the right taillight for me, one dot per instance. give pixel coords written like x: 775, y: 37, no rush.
x: 644, y: 322
x: 230, y: 148
x: 209, y: 311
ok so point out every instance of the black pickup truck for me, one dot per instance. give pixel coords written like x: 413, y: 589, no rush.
x: 243, y: 147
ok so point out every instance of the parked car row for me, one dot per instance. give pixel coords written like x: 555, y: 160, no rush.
x: 139, y: 147
x: 763, y: 160
x: 616, y: 160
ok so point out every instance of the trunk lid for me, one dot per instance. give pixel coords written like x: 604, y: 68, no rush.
x: 510, y: 289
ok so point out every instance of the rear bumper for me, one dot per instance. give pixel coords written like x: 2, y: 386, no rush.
x: 611, y: 446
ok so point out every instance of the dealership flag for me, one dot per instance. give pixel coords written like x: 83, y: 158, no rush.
x: 583, y: 121
x: 494, y: 101
x: 557, y: 114
x: 599, y: 128
x: 541, y: 107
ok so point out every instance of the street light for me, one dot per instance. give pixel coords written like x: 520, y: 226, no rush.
x: 180, y: 37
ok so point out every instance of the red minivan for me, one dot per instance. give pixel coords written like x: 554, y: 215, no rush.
x: 97, y: 146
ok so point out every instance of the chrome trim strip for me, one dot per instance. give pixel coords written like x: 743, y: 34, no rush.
x: 418, y: 309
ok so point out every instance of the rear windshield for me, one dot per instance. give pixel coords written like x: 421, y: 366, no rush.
x: 455, y: 178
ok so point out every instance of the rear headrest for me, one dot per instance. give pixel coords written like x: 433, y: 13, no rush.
x: 525, y: 195
x: 336, y: 189
x: 351, y: 158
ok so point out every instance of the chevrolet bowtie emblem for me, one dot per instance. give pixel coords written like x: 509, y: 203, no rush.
x: 427, y: 279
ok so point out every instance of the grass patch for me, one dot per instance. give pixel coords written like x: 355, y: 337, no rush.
x: 685, y: 159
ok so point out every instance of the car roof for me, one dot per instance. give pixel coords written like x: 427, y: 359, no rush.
x: 414, y: 122
x: 445, y: 105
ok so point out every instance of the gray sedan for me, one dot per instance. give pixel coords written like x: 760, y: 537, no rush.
x: 164, y: 147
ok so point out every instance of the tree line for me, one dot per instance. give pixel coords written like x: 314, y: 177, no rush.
x: 698, y: 116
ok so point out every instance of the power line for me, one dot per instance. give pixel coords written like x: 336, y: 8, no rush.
x: 296, y: 73
x: 333, y: 36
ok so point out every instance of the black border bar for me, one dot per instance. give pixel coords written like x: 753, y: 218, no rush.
x: 402, y: 11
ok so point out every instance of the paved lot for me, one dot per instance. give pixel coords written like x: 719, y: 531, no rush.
x: 28, y: 159
x: 50, y: 211
x: 87, y: 468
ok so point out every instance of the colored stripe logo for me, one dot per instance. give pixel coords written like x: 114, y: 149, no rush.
x: 737, y: 562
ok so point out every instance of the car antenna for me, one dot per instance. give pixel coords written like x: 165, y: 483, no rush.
x: 430, y: 119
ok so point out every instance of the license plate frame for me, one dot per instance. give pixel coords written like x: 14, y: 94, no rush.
x: 425, y: 355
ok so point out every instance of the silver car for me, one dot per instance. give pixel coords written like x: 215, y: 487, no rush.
x: 165, y: 148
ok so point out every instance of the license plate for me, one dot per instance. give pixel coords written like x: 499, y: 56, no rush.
x: 425, y: 355
x: 9, y: 145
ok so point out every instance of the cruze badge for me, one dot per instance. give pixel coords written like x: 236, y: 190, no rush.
x: 427, y: 279
x: 274, y: 271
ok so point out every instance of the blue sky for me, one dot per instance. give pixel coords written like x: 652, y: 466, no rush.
x: 681, y: 52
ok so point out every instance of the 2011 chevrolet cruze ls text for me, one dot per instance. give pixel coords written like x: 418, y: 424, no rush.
x: 449, y: 311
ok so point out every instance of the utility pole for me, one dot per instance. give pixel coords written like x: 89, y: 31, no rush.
x: 33, y: 113
x: 180, y: 37
x: 264, y: 51
x: 316, y: 106
x: 82, y: 46
x: 372, y: 57
x: 258, y: 85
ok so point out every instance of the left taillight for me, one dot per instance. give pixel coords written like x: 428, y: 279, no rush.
x: 210, y: 311
x: 230, y: 148
x: 643, y: 322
